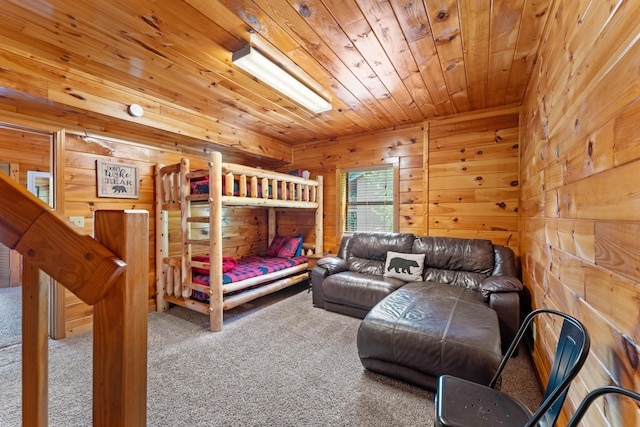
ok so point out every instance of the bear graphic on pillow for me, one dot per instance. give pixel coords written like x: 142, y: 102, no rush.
x: 401, y: 265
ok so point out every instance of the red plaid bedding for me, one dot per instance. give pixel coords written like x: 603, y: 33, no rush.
x: 247, y: 268
x: 200, y: 185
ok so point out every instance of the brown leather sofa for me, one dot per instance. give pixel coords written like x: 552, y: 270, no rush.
x: 455, y: 319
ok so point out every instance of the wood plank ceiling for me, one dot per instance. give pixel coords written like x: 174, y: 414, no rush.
x: 381, y: 63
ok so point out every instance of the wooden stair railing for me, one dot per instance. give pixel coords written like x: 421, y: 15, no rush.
x: 94, y: 270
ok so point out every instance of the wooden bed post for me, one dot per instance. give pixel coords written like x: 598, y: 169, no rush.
x: 319, y: 218
x: 120, y: 323
x: 215, y: 242
x: 162, y: 243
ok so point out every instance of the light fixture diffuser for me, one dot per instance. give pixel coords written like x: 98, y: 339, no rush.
x: 275, y: 76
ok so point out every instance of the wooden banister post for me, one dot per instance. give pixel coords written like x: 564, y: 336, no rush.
x: 35, y: 357
x: 120, y: 323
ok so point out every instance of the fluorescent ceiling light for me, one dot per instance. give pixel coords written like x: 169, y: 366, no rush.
x: 272, y: 74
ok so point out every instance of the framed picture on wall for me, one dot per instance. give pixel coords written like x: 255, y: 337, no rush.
x: 117, y: 180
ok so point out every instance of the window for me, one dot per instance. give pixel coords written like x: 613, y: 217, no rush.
x: 367, y: 199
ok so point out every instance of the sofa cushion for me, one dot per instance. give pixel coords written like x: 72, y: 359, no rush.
x: 453, y: 261
x: 407, y: 267
x: 475, y: 255
x: 357, y: 289
x: 463, y: 279
x: 367, y: 251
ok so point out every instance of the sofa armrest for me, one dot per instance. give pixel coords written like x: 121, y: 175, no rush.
x: 500, y: 284
x: 318, y: 274
x: 507, y: 306
x: 333, y: 264
x: 503, y: 296
x: 324, y: 267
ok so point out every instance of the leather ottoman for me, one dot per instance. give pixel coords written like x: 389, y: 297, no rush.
x: 426, y: 329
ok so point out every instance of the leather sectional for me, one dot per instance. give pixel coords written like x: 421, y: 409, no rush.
x: 455, y: 316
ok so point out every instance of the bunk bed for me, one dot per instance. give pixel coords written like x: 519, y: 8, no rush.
x: 196, y: 279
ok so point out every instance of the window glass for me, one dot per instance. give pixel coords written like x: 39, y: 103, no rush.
x: 367, y: 199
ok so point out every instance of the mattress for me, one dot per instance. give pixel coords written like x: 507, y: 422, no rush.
x: 247, y: 268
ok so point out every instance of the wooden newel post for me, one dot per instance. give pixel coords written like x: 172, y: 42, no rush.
x: 120, y: 323
x: 34, y: 347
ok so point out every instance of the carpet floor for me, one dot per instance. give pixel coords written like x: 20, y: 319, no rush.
x: 278, y: 361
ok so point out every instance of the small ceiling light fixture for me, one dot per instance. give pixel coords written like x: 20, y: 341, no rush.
x: 135, y: 110
x: 275, y: 76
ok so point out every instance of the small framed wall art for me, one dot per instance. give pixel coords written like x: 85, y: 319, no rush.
x: 118, y: 180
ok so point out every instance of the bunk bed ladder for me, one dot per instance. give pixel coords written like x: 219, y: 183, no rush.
x: 213, y: 242
x: 185, y: 225
x: 168, y: 269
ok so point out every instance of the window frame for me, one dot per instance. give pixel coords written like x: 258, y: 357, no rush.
x: 341, y: 211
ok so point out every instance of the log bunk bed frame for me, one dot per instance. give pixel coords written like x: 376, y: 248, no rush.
x: 173, y: 274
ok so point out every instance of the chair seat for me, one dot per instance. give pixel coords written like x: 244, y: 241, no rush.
x: 463, y: 403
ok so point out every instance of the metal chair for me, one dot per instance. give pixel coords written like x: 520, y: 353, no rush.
x: 460, y: 402
x: 593, y: 395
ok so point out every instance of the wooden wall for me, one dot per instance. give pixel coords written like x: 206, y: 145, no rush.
x: 471, y: 185
x: 473, y: 176
x: 580, y: 192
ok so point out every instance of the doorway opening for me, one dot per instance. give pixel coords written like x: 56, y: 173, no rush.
x: 5, y: 253
x: 31, y: 153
